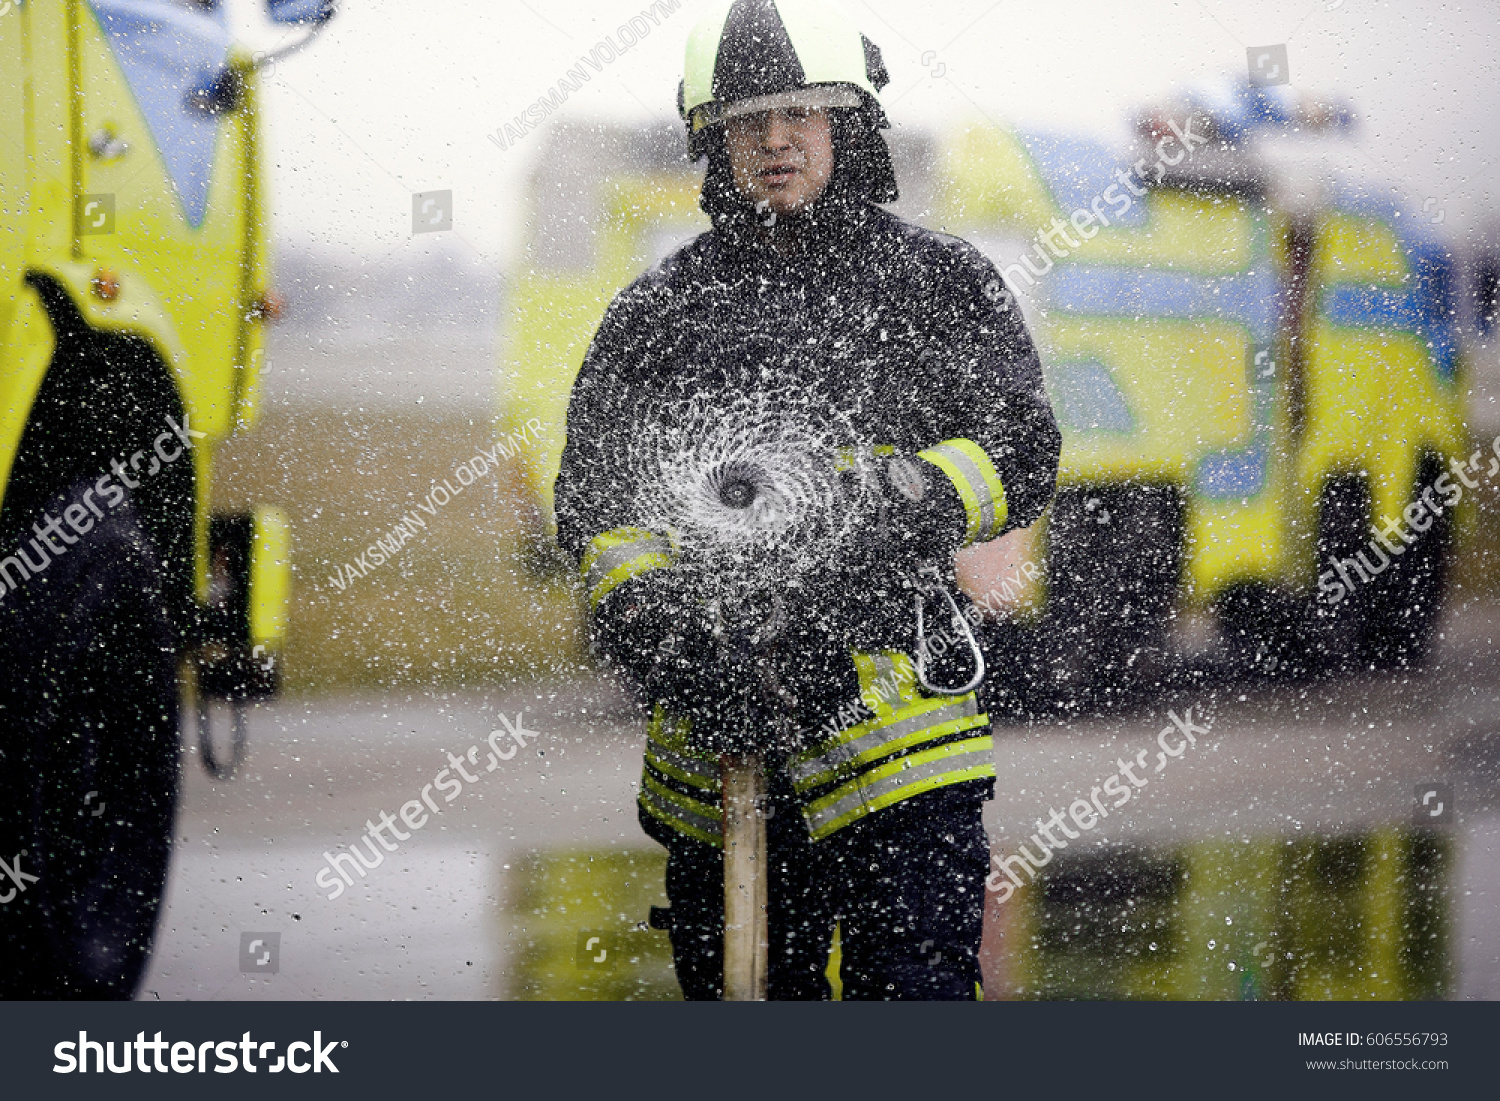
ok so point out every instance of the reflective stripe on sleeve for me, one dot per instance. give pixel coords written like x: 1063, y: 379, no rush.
x: 670, y: 758
x: 616, y: 556
x: 978, y: 484
x: 688, y: 770
x: 687, y: 816
x: 972, y: 759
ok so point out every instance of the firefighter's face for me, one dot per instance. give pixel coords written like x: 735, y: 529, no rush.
x: 781, y: 158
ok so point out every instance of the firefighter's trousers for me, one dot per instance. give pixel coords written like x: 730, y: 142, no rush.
x: 905, y: 887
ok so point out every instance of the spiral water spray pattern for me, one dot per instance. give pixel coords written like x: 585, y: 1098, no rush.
x: 749, y: 488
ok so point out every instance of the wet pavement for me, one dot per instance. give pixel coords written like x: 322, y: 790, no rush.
x: 431, y: 919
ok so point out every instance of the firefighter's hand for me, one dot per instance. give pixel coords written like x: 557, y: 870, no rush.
x: 906, y: 515
x: 814, y: 670
x: 723, y: 702
x: 914, y: 519
x: 924, y: 520
x: 650, y: 627
x: 659, y: 634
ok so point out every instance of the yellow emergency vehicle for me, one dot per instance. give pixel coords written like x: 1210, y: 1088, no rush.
x: 133, y: 298
x: 1257, y: 365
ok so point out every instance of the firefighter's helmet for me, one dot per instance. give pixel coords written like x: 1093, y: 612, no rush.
x: 754, y: 55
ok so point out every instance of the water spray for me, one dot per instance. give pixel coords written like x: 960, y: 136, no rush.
x: 752, y: 495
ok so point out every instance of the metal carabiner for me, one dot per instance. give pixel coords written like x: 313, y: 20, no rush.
x: 963, y: 626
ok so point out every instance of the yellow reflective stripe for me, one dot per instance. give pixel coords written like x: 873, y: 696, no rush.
x: 684, y: 769
x: 985, y: 771
x: 667, y: 748
x: 618, y: 555
x: 668, y: 817
x: 876, y: 747
x: 923, y: 709
x: 606, y: 540
x: 687, y: 816
x: 886, y: 677
x: 901, y: 779
x: 910, y: 714
x: 655, y: 560
x: 701, y: 807
x: 666, y: 730
x: 978, y: 484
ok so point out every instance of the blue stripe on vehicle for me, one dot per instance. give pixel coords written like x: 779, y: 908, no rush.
x: 1248, y: 298
x: 1428, y: 308
x: 1227, y: 475
x: 1077, y: 171
x: 1425, y: 309
x: 1087, y: 399
x: 1244, y: 471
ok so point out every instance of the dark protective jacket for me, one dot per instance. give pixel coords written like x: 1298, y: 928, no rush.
x: 911, y: 338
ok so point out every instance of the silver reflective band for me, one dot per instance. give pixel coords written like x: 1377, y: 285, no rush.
x: 682, y: 814
x: 977, y: 485
x: 617, y: 556
x: 820, y: 97
x: 839, y: 754
x: 707, y: 771
x: 868, y: 793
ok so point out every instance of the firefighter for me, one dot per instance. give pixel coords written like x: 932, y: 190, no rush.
x: 805, y: 291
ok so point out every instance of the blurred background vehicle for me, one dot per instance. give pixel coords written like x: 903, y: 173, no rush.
x: 1256, y: 362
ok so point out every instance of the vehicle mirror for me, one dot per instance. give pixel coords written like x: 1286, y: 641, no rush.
x: 300, y: 11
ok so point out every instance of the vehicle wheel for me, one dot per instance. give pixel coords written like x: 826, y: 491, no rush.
x: 1335, y: 630
x: 1265, y: 632
x: 1114, y: 562
x: 88, y: 759
x: 1407, y: 599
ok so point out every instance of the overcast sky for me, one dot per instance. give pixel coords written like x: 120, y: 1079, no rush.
x: 397, y: 96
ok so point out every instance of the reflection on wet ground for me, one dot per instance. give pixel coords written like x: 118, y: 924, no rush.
x: 1282, y: 842
x: 1363, y: 915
